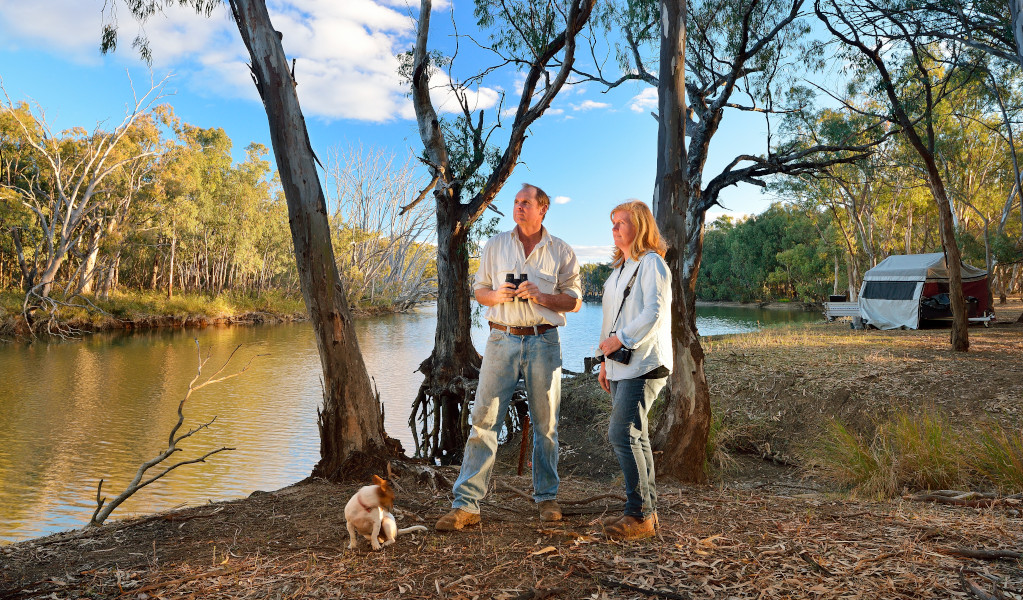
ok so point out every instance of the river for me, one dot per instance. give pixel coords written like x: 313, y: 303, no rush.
x: 72, y: 413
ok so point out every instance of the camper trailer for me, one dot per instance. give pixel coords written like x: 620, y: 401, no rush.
x: 903, y: 290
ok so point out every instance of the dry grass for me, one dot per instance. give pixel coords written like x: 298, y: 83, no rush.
x: 787, y: 384
x: 997, y: 455
x: 911, y: 452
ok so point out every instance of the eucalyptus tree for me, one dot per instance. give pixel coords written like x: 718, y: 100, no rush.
x: 872, y: 201
x: 867, y: 29
x: 538, y: 38
x: 716, y: 57
x: 386, y: 249
x: 352, y: 437
x: 994, y: 27
x: 123, y: 187
x: 64, y: 186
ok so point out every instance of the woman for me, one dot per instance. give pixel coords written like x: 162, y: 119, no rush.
x: 638, y: 320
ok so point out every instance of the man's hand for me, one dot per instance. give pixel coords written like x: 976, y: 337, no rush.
x: 505, y: 293
x: 610, y: 345
x: 557, y: 302
x: 528, y: 291
x: 602, y: 379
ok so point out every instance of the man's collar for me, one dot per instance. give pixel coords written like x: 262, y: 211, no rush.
x: 544, y: 235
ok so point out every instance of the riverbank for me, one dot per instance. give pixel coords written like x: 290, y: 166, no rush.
x: 761, y: 530
x: 153, y: 310
x: 798, y: 306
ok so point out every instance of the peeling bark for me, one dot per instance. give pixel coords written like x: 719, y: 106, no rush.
x: 681, y: 435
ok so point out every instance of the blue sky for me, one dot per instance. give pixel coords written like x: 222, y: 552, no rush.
x: 590, y: 152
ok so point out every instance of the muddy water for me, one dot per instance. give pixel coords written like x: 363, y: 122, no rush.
x: 73, y: 413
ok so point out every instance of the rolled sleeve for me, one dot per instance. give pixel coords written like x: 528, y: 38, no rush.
x: 569, y: 282
x: 484, y: 274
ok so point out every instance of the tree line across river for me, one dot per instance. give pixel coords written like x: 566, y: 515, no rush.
x: 158, y: 205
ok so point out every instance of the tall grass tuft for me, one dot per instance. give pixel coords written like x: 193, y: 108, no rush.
x: 850, y: 460
x: 997, y: 455
x: 919, y: 451
x: 928, y: 450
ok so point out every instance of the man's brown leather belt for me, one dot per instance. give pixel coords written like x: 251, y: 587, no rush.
x: 531, y: 330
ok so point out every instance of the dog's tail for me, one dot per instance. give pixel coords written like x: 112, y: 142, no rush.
x: 411, y: 529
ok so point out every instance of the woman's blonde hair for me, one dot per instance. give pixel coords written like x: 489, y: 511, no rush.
x: 648, y: 236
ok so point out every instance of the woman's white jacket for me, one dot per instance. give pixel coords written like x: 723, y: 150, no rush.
x: 645, y: 322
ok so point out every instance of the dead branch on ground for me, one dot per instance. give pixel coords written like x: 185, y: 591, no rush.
x: 103, y: 510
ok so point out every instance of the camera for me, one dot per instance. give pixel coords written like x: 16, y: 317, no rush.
x: 622, y: 355
x: 511, y: 278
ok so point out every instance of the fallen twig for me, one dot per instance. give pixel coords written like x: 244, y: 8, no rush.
x: 816, y: 566
x: 641, y: 590
x: 592, y: 499
x: 981, y: 554
x: 535, y: 594
x: 977, y: 591
x: 177, y: 582
x: 504, y: 486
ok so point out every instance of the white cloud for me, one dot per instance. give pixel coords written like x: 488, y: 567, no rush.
x: 562, y: 199
x: 344, y: 51
x: 593, y: 254
x: 590, y: 105
x: 645, y: 101
x: 70, y: 26
x: 444, y: 99
x: 519, y: 84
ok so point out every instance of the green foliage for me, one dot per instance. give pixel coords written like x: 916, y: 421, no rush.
x: 593, y: 276
x: 775, y: 255
x: 520, y: 26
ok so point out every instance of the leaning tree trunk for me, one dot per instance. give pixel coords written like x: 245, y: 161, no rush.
x: 352, y: 438
x: 681, y: 434
x: 444, y: 394
x: 960, y: 336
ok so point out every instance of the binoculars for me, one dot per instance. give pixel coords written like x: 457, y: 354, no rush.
x: 512, y: 279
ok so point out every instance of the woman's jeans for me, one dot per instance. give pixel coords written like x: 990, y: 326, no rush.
x: 630, y: 437
x: 536, y: 359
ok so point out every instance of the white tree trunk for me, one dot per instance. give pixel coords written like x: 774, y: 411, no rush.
x: 1016, y: 13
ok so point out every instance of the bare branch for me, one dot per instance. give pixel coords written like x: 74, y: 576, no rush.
x: 103, y: 509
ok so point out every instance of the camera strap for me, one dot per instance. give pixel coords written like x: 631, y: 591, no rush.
x: 625, y: 295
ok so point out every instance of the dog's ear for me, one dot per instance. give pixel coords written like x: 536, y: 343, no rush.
x: 379, y: 481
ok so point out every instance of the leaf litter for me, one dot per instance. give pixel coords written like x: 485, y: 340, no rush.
x: 762, y: 531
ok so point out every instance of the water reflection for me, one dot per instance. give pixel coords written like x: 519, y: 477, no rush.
x: 72, y: 413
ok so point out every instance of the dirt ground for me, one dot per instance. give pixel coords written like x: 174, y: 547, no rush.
x: 762, y: 529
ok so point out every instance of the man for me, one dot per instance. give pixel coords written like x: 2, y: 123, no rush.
x: 523, y: 343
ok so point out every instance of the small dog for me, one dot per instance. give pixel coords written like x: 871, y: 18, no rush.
x: 368, y: 513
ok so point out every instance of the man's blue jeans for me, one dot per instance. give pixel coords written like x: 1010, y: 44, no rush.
x: 536, y: 359
x: 630, y: 437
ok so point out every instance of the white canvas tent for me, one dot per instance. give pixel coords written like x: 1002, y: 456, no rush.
x: 891, y: 294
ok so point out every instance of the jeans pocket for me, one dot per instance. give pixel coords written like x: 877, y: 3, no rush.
x: 551, y: 337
